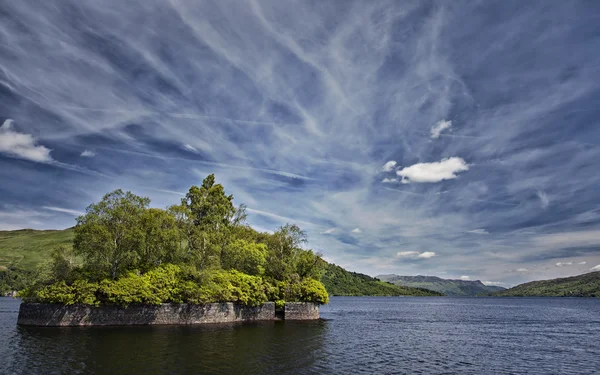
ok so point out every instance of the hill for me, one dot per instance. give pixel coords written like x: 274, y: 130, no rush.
x: 339, y: 282
x: 22, y: 250
x: 586, y: 285
x: 26, y: 248
x: 445, y: 286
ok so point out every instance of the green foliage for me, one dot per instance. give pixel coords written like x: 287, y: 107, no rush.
x: 244, y: 256
x: 25, y: 249
x: 586, y: 285
x: 295, y: 289
x: 80, y: 292
x: 62, y: 263
x: 161, y: 239
x: 211, y: 209
x: 160, y: 285
x: 312, y: 290
x: 340, y: 282
x: 284, y: 251
x: 110, y: 235
x: 14, y: 279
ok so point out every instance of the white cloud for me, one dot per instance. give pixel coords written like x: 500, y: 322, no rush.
x: 544, y: 200
x: 389, y: 180
x: 407, y: 253
x: 416, y: 254
x: 522, y: 270
x: 478, y: 231
x: 21, y: 145
x: 88, y: 154
x: 328, y: 231
x: 63, y: 210
x: 492, y: 283
x: 595, y: 268
x: 464, y: 277
x: 445, y: 169
x: 356, y: 230
x: 562, y: 264
x: 190, y: 147
x: 389, y: 166
x: 439, y: 127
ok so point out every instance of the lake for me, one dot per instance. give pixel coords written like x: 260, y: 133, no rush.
x: 358, y: 335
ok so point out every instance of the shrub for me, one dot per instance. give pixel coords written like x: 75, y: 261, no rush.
x: 80, y: 292
x: 312, y: 290
x: 160, y: 285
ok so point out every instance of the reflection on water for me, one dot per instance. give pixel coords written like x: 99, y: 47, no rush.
x: 359, y: 336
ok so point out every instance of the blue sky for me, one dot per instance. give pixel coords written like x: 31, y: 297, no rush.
x: 457, y: 139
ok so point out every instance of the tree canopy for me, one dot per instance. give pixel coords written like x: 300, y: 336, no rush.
x: 198, y: 251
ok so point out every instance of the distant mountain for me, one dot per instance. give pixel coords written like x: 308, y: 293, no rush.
x: 446, y: 286
x: 340, y: 282
x: 586, y: 285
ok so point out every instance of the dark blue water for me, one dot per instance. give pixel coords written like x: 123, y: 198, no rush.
x: 374, y: 335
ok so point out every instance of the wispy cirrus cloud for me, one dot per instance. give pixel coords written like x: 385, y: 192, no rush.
x: 301, y: 110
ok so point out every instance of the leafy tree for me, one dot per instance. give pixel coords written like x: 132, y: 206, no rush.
x: 211, y: 209
x: 284, y: 251
x: 62, y: 263
x: 244, y: 256
x: 110, y: 234
x: 161, y: 239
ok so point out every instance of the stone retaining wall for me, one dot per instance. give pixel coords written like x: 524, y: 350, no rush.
x: 40, y: 314
x: 301, y: 311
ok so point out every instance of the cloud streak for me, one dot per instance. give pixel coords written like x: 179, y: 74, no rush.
x: 306, y: 113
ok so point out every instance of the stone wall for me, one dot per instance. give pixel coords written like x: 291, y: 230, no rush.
x: 301, y: 311
x: 37, y: 314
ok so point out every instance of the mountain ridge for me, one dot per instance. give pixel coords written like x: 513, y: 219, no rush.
x: 449, y: 287
x: 584, y: 285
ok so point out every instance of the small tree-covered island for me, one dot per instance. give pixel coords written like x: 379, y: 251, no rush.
x: 198, y: 260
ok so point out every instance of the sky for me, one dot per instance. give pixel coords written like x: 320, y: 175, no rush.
x: 458, y: 139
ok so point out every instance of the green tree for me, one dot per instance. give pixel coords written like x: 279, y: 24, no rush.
x: 244, y: 256
x: 210, y: 207
x: 109, y: 236
x: 161, y: 239
x: 284, y: 251
x: 62, y: 263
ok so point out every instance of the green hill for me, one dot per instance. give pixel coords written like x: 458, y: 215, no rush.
x: 340, y: 282
x: 586, y: 285
x: 445, y: 286
x: 26, y: 248
x: 22, y: 250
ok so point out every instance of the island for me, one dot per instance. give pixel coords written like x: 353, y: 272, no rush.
x: 194, y: 262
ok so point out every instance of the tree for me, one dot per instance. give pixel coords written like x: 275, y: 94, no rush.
x: 284, y: 251
x: 210, y: 208
x: 62, y: 263
x: 244, y: 256
x: 161, y: 239
x: 109, y: 236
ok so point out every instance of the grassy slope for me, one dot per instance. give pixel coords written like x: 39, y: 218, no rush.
x: 340, y: 282
x: 27, y: 248
x: 446, y: 286
x: 586, y: 285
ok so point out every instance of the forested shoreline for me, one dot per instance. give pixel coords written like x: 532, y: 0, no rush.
x: 199, y: 251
